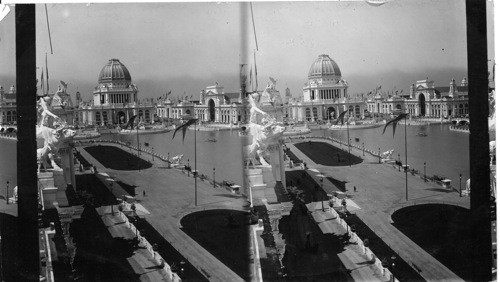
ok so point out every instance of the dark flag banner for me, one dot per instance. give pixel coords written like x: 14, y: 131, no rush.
x: 130, y: 122
x: 341, y: 118
x: 185, y: 127
x: 394, y: 123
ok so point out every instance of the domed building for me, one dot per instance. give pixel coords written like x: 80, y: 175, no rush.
x: 115, y: 99
x: 325, y: 94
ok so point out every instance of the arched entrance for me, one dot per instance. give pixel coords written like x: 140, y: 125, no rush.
x: 120, y: 116
x: 331, y: 112
x: 421, y: 102
x: 211, y: 108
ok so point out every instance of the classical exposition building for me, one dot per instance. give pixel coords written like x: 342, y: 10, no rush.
x: 115, y: 99
x: 213, y: 106
x: 425, y: 100
x: 325, y: 95
x: 8, y: 113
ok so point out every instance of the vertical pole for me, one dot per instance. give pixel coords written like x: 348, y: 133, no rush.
x: 195, y: 171
x: 138, y: 144
x: 348, y: 141
x: 7, y: 196
x: 363, y: 148
x: 460, y: 187
x: 28, y: 263
x: 214, y: 177
x: 406, y: 161
x: 425, y: 175
x: 379, y: 161
x: 153, y: 153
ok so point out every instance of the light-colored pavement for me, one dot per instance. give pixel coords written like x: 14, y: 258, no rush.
x: 141, y: 260
x: 170, y: 195
x: 359, y: 267
x: 381, y: 191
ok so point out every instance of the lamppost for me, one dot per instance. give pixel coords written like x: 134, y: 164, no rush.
x: 460, y: 187
x: 112, y: 204
x: 214, y: 178
x: 321, y: 176
x: 134, y: 208
x: 153, y: 153
x: 399, y: 166
x: 363, y: 148
x: 188, y: 168
x: 7, y: 192
x: 425, y: 175
x: 379, y: 161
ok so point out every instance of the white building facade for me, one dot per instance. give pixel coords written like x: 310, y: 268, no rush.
x: 324, y: 96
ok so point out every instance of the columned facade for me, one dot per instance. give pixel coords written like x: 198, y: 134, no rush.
x: 325, y: 95
x: 425, y: 100
x: 115, y: 99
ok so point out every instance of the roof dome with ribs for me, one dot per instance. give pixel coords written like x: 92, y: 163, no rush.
x: 114, y: 71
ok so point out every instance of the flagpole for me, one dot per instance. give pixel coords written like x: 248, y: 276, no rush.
x: 348, y: 140
x: 406, y: 160
x: 196, y: 171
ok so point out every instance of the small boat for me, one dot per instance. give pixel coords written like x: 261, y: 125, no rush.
x: 356, y: 139
x: 422, y: 134
x: 146, y: 144
x: 211, y: 140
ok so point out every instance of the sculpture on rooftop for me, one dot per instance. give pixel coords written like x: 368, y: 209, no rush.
x: 264, y: 128
x: 54, y: 132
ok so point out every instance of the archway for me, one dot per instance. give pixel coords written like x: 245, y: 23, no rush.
x: 120, y: 116
x: 315, y: 113
x: 308, y: 114
x: 211, y: 108
x: 331, y: 112
x: 421, y: 102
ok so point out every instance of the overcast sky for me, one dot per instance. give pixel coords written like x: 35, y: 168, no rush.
x: 184, y: 47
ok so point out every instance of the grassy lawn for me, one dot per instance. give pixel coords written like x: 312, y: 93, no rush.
x: 444, y: 231
x: 228, y: 242
x: 326, y: 154
x: 116, y: 158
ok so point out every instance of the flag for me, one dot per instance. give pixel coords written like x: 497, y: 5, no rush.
x: 185, y: 127
x: 341, y: 118
x: 251, y: 77
x: 130, y: 122
x: 394, y: 123
x: 47, y: 72
x: 43, y: 84
x: 169, y: 92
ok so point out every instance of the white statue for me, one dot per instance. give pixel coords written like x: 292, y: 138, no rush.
x: 387, y: 155
x: 54, y: 134
x: 265, y: 130
x: 177, y: 159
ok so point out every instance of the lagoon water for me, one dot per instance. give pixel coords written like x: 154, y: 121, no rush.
x: 8, y: 165
x: 225, y: 155
x: 445, y: 152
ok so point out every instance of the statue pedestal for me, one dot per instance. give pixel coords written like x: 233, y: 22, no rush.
x: 52, y: 185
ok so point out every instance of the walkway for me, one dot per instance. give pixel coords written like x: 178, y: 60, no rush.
x: 380, y: 191
x: 170, y: 195
x: 141, y: 261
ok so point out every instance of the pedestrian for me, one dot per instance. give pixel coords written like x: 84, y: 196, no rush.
x: 354, y: 188
x: 95, y: 169
x: 144, y: 193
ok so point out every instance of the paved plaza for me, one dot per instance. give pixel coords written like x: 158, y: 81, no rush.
x: 169, y: 195
x: 380, y: 190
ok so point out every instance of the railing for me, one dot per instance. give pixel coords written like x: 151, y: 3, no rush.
x: 165, y: 270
